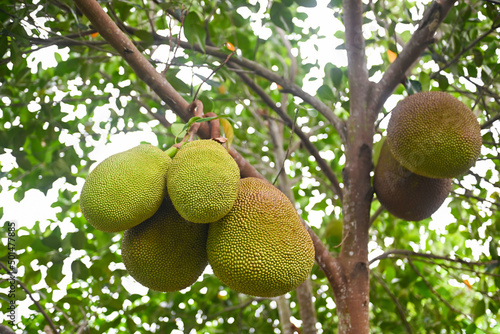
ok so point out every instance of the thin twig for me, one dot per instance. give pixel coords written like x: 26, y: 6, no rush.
x: 211, y: 74
x: 422, y: 37
x: 343, y: 239
x: 325, y: 167
x: 37, y: 304
x: 163, y: 121
x: 465, y: 50
x: 288, y: 148
x: 407, y: 253
x: 377, y: 213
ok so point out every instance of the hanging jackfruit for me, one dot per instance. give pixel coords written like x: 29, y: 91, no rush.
x: 434, y: 135
x: 260, y: 247
x: 125, y: 189
x: 202, y: 181
x: 166, y: 252
x: 404, y: 194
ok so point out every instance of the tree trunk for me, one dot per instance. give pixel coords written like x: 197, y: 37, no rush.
x: 353, y: 298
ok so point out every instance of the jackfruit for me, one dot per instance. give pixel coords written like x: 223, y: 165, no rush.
x: 260, y: 247
x: 202, y: 181
x: 404, y: 194
x: 434, y: 135
x: 166, y: 252
x: 125, y: 189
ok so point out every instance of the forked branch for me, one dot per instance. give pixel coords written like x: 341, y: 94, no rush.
x: 420, y: 40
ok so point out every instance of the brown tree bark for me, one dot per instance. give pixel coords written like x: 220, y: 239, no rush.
x: 352, y: 299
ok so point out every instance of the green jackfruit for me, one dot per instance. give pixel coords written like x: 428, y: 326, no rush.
x: 404, y: 194
x: 260, y: 247
x: 434, y: 135
x: 202, y: 181
x: 125, y: 189
x: 166, y: 252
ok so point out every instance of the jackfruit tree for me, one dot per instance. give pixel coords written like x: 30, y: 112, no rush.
x: 354, y: 187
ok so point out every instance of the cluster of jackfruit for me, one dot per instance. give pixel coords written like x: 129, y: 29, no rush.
x: 432, y: 137
x: 180, y: 214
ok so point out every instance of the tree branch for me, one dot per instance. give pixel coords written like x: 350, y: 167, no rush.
x: 490, y: 122
x: 329, y: 265
x: 356, y: 57
x: 408, y: 253
x: 289, y: 122
x: 256, y: 68
x: 421, y: 38
x: 306, y: 307
x: 285, y: 314
x: 121, y: 43
x: 287, y: 85
x: 37, y: 304
x: 465, y: 50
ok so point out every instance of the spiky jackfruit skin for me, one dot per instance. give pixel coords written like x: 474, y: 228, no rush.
x: 166, y: 252
x: 404, y: 194
x: 260, y: 247
x: 202, y: 181
x: 125, y: 189
x: 434, y: 135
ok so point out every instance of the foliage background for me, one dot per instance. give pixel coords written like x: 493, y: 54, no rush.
x: 60, y: 118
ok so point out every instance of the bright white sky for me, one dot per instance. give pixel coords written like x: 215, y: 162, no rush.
x: 36, y: 206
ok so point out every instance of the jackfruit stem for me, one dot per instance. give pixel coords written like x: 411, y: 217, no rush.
x: 214, y: 125
x: 196, y: 108
x: 172, y: 151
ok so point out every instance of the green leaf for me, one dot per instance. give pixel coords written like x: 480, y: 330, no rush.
x: 4, y: 45
x: 471, y: 329
x: 390, y: 274
x: 53, y: 241
x: 178, y: 129
x: 179, y: 85
x: 79, y: 270
x: 110, y: 324
x: 413, y: 86
x: 425, y: 81
x: 335, y: 3
x: 479, y: 309
x: 145, y: 36
x: 325, y: 93
x: 281, y: 16
x: 306, y: 3
x: 443, y: 82
x: 336, y: 76
x: 54, y: 273
x: 131, y: 325
x: 78, y: 240
x: 194, y: 29
x: 32, y: 277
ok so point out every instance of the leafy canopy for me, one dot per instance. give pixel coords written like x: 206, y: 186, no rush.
x: 67, y: 98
